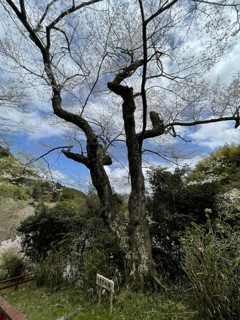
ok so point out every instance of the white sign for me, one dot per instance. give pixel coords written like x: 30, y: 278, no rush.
x: 105, y: 283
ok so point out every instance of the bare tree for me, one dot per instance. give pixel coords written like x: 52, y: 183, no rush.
x: 139, y: 54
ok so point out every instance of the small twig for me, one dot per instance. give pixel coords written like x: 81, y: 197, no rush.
x: 43, y: 155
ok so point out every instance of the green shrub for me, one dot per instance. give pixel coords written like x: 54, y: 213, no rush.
x: 212, y: 264
x: 14, y: 192
x: 12, y: 264
x: 49, y: 272
x: 61, y: 237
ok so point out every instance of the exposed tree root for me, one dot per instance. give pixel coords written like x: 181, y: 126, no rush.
x: 157, y: 280
x: 125, y: 291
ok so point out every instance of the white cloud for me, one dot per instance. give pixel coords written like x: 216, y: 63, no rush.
x: 191, y: 162
x: 57, y: 175
x: 44, y: 127
x: 34, y: 124
x: 225, y: 68
x: 215, y: 135
x: 119, y: 179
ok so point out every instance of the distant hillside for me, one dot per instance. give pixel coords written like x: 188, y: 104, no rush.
x: 16, y: 181
x: 21, y: 189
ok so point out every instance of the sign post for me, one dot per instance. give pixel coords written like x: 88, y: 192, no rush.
x: 107, y: 284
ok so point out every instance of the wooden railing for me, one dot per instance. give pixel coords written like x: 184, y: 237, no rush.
x: 17, y: 281
x: 8, y: 312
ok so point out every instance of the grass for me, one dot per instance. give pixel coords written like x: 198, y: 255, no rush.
x: 42, y: 304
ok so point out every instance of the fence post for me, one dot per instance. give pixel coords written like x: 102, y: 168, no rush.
x: 17, y: 283
x: 99, y: 297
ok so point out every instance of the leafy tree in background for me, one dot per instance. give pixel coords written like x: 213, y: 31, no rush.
x: 180, y: 199
x: 79, y: 238
x: 49, y: 229
x: 172, y: 207
x: 123, y: 52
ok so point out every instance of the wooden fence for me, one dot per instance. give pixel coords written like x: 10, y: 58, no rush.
x: 17, y: 281
x: 8, y: 312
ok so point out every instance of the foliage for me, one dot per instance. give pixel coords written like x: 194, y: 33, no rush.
x: 172, y: 195
x: 12, y: 264
x: 71, y: 194
x: 48, y: 191
x: 80, y: 241
x: 4, y: 152
x: 19, y: 184
x: 211, y: 262
x: 49, y: 229
x: 42, y: 191
x: 12, y: 212
x: 222, y: 166
x: 180, y: 199
x: 14, y: 192
x: 49, y: 272
x: 172, y: 207
x: 22, y: 182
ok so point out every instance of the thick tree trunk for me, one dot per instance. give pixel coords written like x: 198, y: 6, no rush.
x: 134, y: 238
x: 133, y: 232
x: 139, y: 263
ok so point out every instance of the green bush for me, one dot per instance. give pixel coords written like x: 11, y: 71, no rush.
x: 14, y: 192
x: 50, y: 229
x: 212, y: 264
x: 12, y: 264
x: 172, y: 207
x: 61, y: 237
x: 49, y: 272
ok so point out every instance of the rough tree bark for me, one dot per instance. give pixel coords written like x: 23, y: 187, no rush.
x: 139, y: 258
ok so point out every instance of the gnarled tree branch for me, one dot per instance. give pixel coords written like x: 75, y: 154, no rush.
x: 116, y: 86
x: 157, y: 129
x: 76, y: 157
x: 197, y: 122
